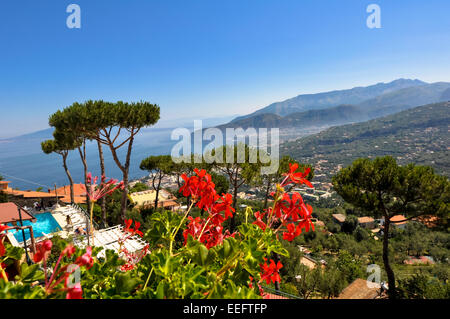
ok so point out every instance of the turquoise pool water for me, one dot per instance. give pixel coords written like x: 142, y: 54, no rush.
x: 45, y: 223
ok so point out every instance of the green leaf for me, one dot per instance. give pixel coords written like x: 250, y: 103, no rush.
x: 125, y: 283
x: 30, y: 274
x: 160, y: 290
x: 13, y: 252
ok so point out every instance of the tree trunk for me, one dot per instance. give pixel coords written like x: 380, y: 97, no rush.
x: 157, y: 190
x: 102, y: 169
x: 269, y: 183
x: 387, y: 266
x: 123, y: 209
x: 232, y: 221
x: 123, y: 202
x: 124, y: 168
x: 178, y: 181
x: 82, y: 152
x: 72, y: 196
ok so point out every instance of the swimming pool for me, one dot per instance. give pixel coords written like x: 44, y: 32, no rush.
x: 45, y: 224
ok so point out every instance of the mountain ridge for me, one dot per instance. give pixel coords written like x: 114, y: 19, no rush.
x: 418, y: 135
x: 382, y: 105
x: 304, y: 102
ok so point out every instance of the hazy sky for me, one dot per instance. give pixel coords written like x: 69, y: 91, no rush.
x: 208, y: 57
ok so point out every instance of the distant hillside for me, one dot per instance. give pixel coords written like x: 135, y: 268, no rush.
x: 420, y: 135
x: 385, y: 104
x: 24, y: 144
x: 324, y: 100
x: 331, y: 116
x: 408, y: 97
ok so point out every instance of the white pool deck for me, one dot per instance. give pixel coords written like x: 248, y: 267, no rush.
x: 77, y: 218
x: 108, y: 238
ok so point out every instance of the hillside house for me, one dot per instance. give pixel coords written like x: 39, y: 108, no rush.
x: 366, y: 222
x: 339, y: 218
x: 28, y: 197
x: 361, y: 289
x: 146, y: 199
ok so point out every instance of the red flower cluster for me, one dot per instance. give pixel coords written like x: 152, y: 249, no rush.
x: 133, y: 231
x: 259, y: 220
x: 42, y: 250
x: 296, y: 177
x: 289, y: 210
x: 270, y: 273
x: 209, y: 231
x: 63, y: 274
x: 202, y: 191
x: 200, y: 187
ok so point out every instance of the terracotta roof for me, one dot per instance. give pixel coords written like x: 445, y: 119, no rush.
x: 63, y: 193
x: 339, y: 217
x: 397, y: 218
x: 365, y: 219
x: 169, y: 203
x: 78, y: 190
x: 76, y: 199
x: 29, y: 194
x: 359, y: 290
x: 428, y: 220
x: 9, y: 213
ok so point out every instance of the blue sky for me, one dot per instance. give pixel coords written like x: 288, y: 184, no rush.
x: 205, y: 57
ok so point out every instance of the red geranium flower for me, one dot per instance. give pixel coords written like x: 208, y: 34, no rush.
x: 194, y: 228
x: 270, y: 273
x: 42, y: 249
x: 201, y: 188
x: 259, y: 222
x: 225, y: 206
x: 296, y: 177
x: 135, y: 230
x: 292, y: 232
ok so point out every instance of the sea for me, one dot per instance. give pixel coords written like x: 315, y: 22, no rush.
x: 23, y: 163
